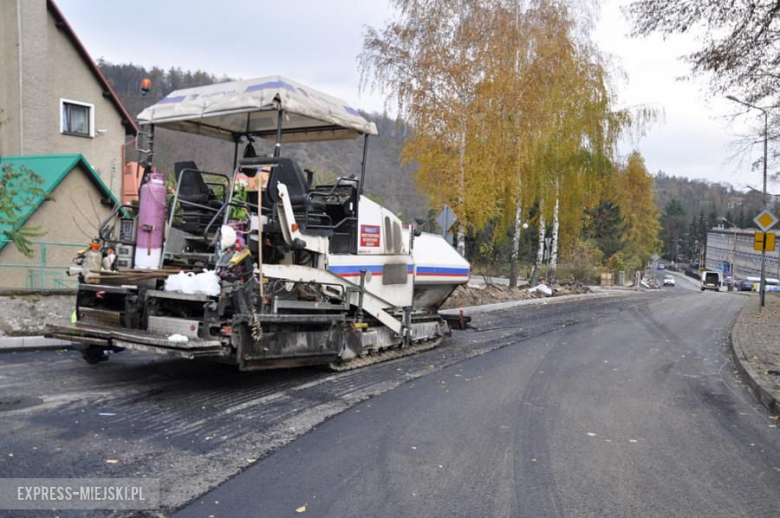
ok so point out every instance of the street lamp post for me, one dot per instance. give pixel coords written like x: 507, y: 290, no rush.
x: 733, y: 252
x: 762, y: 286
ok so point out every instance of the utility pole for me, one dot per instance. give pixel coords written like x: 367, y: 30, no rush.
x: 762, y: 286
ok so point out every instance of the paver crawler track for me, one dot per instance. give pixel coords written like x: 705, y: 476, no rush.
x: 384, y: 356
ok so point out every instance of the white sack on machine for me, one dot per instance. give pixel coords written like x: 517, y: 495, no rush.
x: 206, y: 283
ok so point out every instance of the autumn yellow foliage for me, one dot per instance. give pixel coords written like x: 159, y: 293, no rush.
x: 512, y: 107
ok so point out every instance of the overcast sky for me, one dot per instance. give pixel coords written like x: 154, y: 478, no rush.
x: 316, y: 42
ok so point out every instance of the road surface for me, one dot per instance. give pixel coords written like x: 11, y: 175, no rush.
x: 494, y: 422
x: 635, y: 413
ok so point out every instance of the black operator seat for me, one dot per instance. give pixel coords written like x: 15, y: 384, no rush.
x: 286, y: 171
x: 193, y: 189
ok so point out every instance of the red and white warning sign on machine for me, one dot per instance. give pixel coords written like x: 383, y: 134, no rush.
x: 369, y: 235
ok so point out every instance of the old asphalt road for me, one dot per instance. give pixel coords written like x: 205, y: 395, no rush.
x: 635, y: 413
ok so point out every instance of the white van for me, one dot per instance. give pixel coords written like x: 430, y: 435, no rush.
x: 711, y: 280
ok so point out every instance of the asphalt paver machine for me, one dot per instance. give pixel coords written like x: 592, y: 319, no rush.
x: 259, y: 267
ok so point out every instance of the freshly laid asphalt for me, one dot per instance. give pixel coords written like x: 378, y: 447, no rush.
x: 633, y: 413
x: 194, y: 425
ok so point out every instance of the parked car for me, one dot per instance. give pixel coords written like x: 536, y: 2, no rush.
x: 745, y: 285
x: 669, y: 280
x: 752, y: 283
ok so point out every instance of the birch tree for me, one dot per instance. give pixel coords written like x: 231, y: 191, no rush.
x: 429, y: 62
x: 556, y: 227
x: 511, y: 107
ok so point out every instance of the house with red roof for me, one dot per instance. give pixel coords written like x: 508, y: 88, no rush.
x: 53, y: 98
x: 61, y: 119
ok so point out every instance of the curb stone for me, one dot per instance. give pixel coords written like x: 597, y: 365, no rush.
x: 10, y: 344
x: 767, y: 397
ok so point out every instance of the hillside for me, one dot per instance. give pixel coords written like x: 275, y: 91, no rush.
x: 713, y: 200
x: 688, y: 208
x: 386, y: 179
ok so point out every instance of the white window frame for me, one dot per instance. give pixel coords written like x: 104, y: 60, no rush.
x: 89, y: 106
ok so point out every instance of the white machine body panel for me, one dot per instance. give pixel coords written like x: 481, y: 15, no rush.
x: 379, y: 231
x: 436, y: 262
x: 391, y: 276
x: 439, y: 270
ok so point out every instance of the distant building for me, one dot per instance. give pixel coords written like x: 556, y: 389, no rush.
x: 722, y: 251
x: 80, y: 201
x: 53, y: 97
x: 735, y: 202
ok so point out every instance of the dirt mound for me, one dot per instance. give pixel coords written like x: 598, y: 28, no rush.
x: 466, y: 295
x: 570, y: 288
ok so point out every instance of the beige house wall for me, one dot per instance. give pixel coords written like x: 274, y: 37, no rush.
x: 35, y: 118
x: 51, y: 69
x: 10, y: 113
x: 71, y: 79
x: 72, y: 217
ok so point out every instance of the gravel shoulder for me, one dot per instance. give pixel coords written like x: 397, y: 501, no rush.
x: 28, y: 315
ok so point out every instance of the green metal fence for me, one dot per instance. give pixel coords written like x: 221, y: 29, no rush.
x: 45, y: 271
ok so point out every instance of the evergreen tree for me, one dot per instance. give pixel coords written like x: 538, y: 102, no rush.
x: 691, y: 237
x: 741, y: 219
x: 604, y: 225
x: 713, y: 220
x: 701, y: 235
x: 673, y: 221
x: 729, y: 223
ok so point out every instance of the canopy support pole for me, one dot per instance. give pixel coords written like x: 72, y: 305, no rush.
x: 235, y: 153
x: 363, y: 163
x: 149, y: 157
x: 278, y: 148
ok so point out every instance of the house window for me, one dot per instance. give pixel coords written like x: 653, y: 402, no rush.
x: 77, y: 118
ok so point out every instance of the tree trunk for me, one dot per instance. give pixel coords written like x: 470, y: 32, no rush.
x: 461, y: 246
x: 556, y: 226
x: 516, y: 240
x: 540, y: 252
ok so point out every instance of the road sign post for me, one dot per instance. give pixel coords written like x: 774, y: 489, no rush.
x: 764, y: 241
x: 446, y: 219
x: 765, y: 220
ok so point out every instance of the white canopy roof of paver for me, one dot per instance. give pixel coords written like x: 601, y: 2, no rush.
x: 225, y: 110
